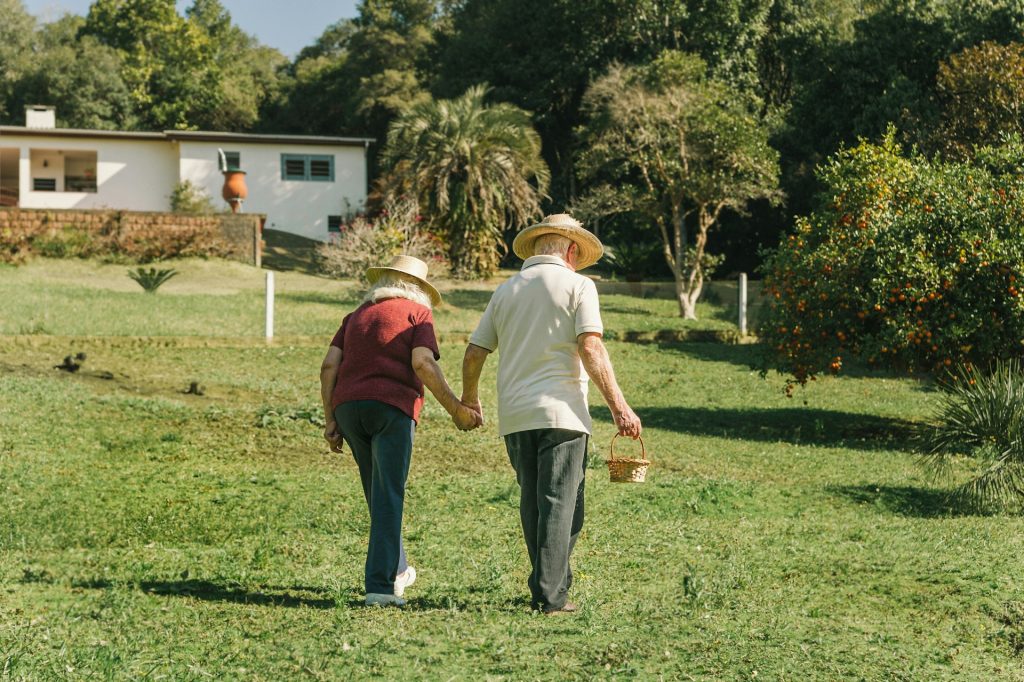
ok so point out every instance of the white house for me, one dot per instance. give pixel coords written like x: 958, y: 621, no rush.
x: 305, y: 185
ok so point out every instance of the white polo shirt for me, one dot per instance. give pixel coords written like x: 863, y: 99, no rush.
x: 533, y: 320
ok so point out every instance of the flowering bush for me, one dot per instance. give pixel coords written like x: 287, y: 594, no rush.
x: 906, y: 263
x: 363, y: 243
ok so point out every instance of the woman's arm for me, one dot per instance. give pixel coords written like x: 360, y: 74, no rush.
x: 430, y: 374
x: 328, y: 378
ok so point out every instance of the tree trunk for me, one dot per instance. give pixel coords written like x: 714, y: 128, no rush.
x: 687, y: 300
x: 683, y: 274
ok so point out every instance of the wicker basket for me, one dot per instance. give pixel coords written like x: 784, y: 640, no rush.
x: 625, y: 470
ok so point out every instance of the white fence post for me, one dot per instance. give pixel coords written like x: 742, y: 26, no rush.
x: 743, y: 304
x: 270, y: 305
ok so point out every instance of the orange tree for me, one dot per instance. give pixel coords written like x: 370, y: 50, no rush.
x: 906, y: 264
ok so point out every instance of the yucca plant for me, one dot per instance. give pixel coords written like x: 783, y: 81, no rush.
x: 981, y: 414
x: 151, y: 279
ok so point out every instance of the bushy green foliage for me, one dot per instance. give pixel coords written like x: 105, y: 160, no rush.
x: 982, y: 95
x: 678, y: 148
x: 191, y: 200
x: 151, y: 279
x: 906, y: 264
x: 476, y: 169
x: 982, y: 414
x: 364, y: 243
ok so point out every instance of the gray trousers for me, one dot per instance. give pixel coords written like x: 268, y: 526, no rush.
x: 380, y: 437
x: 550, y: 465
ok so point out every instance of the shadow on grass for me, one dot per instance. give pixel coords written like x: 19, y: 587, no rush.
x: 745, y: 355
x: 469, y: 299
x: 903, y: 500
x: 347, y: 301
x: 205, y: 590
x: 805, y: 426
x: 286, y: 251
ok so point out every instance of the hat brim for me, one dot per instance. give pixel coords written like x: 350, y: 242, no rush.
x: 373, y: 274
x: 590, y: 248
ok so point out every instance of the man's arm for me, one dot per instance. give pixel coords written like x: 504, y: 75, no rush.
x: 430, y: 374
x: 328, y: 378
x: 599, y: 367
x: 472, y: 367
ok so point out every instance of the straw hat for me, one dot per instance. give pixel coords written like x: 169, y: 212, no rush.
x: 590, y: 249
x: 410, y: 266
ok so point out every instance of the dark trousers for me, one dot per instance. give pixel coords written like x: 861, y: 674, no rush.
x: 550, y: 466
x: 380, y: 437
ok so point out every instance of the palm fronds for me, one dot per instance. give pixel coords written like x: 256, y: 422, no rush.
x: 981, y: 414
x: 151, y: 279
x: 476, y: 168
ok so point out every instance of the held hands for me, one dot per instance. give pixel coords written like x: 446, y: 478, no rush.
x: 468, y: 415
x: 627, y: 422
x: 333, y: 436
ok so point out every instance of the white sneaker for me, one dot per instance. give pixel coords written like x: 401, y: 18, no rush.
x: 403, y: 580
x: 376, y: 599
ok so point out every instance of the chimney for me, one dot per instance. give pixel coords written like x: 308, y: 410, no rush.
x: 37, y: 116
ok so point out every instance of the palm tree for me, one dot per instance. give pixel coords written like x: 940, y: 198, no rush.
x: 477, y: 171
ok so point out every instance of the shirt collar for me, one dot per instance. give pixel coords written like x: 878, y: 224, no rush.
x: 543, y: 260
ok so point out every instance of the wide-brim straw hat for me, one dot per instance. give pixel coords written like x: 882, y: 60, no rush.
x: 590, y: 248
x: 410, y: 266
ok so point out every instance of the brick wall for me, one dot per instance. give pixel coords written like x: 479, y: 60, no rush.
x: 237, y: 236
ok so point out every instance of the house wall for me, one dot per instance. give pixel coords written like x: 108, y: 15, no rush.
x: 133, y: 175
x: 299, y: 207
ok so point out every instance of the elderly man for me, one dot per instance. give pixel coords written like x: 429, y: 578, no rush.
x: 547, y: 324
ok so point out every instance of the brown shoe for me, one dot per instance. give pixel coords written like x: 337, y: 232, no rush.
x: 567, y: 608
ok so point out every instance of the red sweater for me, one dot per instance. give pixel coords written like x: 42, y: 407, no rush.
x: 376, y: 340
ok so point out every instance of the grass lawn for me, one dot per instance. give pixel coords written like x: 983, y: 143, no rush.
x: 146, y: 532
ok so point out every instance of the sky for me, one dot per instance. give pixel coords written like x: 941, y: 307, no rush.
x: 288, y: 25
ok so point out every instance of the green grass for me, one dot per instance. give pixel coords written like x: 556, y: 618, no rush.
x: 147, y: 533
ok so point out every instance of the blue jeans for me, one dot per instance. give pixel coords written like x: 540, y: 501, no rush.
x: 380, y: 437
x: 550, y: 467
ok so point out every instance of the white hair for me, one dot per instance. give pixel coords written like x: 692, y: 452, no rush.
x: 393, y: 285
x: 551, y: 245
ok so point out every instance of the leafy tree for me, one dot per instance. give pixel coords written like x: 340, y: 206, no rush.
x: 80, y: 75
x: 315, y: 96
x: 677, y: 144
x: 982, y: 94
x: 542, y: 54
x: 476, y: 169
x: 360, y: 73
x: 906, y: 263
x: 16, y: 31
x: 248, y: 72
x: 169, y: 62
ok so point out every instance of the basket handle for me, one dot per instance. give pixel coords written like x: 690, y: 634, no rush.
x: 643, y: 449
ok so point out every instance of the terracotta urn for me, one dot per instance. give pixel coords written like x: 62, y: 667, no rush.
x: 235, y: 189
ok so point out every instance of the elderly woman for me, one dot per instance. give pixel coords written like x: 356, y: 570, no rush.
x: 372, y: 383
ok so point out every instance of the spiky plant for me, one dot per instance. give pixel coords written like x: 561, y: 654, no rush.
x: 151, y: 279
x: 981, y: 414
x: 477, y: 170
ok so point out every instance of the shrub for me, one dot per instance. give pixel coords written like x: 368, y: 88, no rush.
x: 151, y: 280
x: 982, y: 415
x: 905, y: 264
x: 362, y: 243
x: 116, y: 236
x: 191, y: 200
x: 68, y: 242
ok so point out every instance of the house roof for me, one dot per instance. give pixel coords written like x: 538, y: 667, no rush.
x: 74, y: 132
x: 189, y: 135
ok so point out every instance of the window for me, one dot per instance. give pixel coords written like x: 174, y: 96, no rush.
x: 334, y: 223
x: 232, y: 159
x: 44, y: 184
x: 307, y: 167
x: 80, y: 171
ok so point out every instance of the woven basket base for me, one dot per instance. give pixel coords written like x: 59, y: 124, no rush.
x: 627, y: 470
